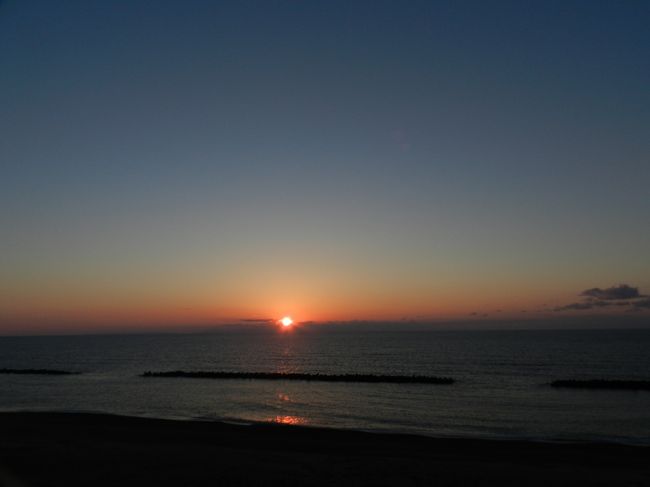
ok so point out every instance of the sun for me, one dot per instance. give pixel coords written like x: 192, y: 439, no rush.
x: 286, y: 321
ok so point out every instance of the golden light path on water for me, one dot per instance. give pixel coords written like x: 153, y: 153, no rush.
x: 286, y: 322
x: 288, y: 419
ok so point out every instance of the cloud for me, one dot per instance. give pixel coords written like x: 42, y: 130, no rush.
x: 257, y: 320
x: 622, y: 291
x: 621, y: 295
x: 589, y: 304
x: 575, y: 306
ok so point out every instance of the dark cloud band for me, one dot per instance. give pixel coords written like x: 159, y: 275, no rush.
x: 620, y: 296
x: 622, y: 291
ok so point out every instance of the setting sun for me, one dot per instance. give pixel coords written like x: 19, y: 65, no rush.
x: 286, y: 321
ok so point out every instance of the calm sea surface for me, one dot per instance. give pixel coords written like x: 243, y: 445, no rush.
x: 501, y: 391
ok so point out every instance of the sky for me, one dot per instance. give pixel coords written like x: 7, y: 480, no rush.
x: 173, y: 163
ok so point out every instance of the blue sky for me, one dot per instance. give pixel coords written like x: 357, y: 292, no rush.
x: 345, y: 159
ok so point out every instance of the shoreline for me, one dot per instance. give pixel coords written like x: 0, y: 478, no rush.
x: 417, y: 433
x: 56, y: 448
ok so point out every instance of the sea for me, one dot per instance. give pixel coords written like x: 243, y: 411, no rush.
x: 501, y: 391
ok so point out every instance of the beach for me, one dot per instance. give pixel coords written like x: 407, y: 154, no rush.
x: 74, y: 449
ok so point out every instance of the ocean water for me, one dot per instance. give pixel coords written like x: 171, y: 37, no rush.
x: 501, y: 391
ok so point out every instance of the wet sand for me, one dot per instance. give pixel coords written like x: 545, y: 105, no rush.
x: 61, y: 449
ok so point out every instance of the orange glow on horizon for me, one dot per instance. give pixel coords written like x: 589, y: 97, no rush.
x: 72, y: 308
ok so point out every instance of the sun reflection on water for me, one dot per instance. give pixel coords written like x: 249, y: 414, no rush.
x: 288, y: 419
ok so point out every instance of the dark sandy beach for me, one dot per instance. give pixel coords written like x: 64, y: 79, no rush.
x: 54, y: 449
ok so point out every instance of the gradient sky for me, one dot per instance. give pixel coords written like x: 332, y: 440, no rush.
x: 195, y: 162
